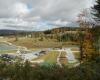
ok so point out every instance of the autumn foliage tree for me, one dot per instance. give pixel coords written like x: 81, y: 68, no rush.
x: 87, y: 50
x: 88, y: 46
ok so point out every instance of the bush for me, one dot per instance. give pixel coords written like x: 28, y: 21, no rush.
x: 25, y: 71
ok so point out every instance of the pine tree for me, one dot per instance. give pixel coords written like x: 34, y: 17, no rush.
x: 97, y: 9
x: 87, y: 50
x: 96, y: 29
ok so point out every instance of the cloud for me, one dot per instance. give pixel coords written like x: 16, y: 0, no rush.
x: 20, y: 24
x: 60, y: 9
x: 20, y: 9
x: 54, y: 12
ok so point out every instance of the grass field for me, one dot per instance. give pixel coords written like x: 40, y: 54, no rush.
x: 31, y: 43
x: 50, y: 57
x: 76, y: 52
x: 7, y: 51
x: 75, y: 49
x: 35, y: 44
x: 77, y: 55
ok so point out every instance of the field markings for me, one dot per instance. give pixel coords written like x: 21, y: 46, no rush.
x: 58, y: 59
x: 69, y: 55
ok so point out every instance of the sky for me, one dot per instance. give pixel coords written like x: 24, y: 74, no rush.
x: 40, y: 15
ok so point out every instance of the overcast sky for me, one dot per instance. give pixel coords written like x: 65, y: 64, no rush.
x: 40, y: 14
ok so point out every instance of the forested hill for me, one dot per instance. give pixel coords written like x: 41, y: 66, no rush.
x: 61, y: 29
x: 13, y: 32
x: 4, y: 32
